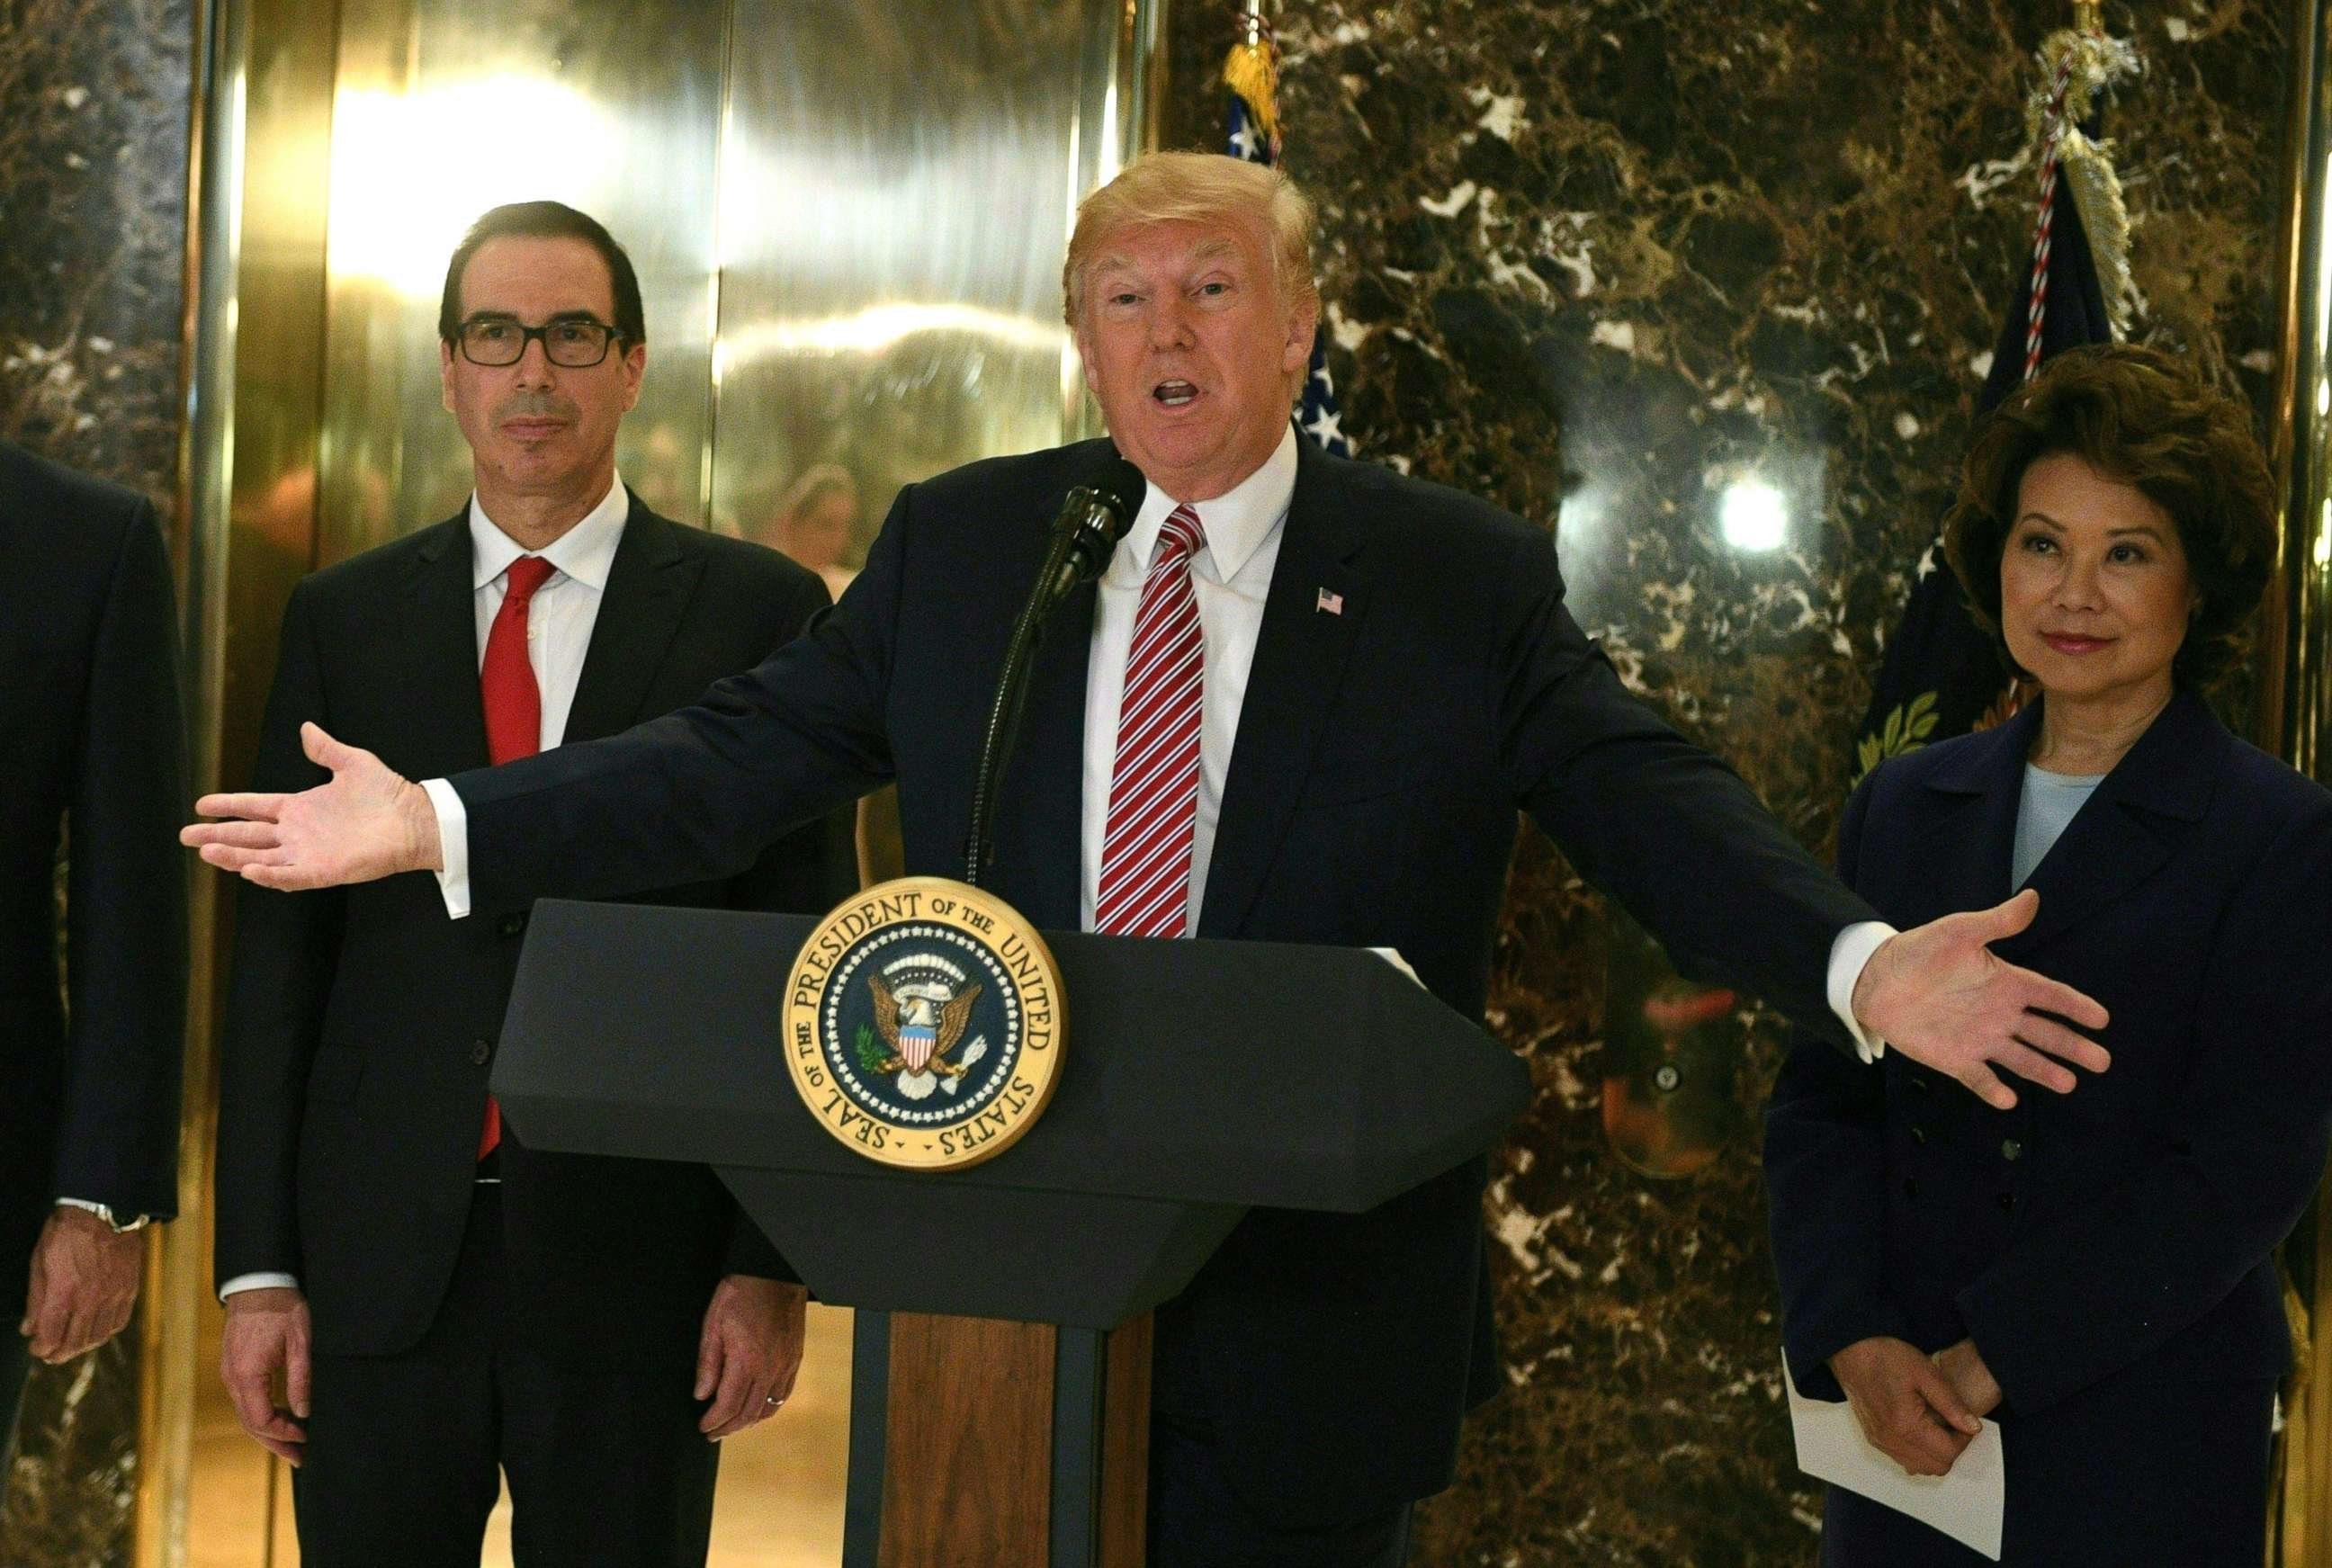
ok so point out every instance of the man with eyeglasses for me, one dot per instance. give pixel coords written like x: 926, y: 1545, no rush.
x: 437, y: 1304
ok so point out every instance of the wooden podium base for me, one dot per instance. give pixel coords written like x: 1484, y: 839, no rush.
x: 976, y: 1442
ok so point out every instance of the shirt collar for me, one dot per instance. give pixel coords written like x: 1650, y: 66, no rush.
x: 1236, y: 521
x: 586, y: 552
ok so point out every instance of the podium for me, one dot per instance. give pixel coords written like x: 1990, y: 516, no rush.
x: 1000, y: 1372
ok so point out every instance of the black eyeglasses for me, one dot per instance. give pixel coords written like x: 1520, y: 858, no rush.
x: 571, y: 342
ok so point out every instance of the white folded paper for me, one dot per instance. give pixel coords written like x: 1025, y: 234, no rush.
x: 1965, y: 1504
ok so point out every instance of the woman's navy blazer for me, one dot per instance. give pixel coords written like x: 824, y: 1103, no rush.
x: 2123, y: 1230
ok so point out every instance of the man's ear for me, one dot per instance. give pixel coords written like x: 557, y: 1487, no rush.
x: 445, y: 373
x: 1302, y: 322
x: 1085, y: 360
x: 635, y: 364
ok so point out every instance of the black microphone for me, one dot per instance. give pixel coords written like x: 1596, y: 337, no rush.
x: 1093, y: 518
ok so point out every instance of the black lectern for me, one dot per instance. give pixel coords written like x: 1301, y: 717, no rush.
x: 1201, y: 1078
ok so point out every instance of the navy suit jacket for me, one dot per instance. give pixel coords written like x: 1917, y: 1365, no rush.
x: 1381, y: 754
x: 361, y: 1023
x: 2122, y: 1231
x: 90, y: 751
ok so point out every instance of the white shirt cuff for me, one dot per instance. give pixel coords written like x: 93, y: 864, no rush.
x: 453, y: 847
x: 242, y: 1282
x: 101, y: 1210
x: 1848, y: 955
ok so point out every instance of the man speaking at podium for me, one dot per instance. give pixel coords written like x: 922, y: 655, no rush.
x: 1302, y: 704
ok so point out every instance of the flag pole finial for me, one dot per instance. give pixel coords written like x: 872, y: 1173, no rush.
x: 2088, y: 16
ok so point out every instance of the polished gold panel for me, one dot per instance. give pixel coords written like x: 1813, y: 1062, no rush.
x: 258, y: 313
x: 2295, y: 704
x: 442, y: 110
x: 897, y: 184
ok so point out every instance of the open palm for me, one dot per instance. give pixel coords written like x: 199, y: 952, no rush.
x: 1939, y: 994
x: 367, y: 821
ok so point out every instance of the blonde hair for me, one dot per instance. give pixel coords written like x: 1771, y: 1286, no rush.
x: 1167, y: 187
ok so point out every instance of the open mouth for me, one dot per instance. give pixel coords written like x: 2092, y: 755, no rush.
x: 1174, y: 393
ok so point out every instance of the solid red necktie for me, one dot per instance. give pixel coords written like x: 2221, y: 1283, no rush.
x: 1144, y: 888
x: 513, y: 706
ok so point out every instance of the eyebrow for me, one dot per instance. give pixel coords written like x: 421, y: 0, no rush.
x: 2143, y: 530
x: 1204, y: 251
x: 590, y: 316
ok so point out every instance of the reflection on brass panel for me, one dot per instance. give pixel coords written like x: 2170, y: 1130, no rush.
x: 2295, y: 697
x: 444, y: 108
x: 893, y: 185
x: 897, y: 185
x: 257, y: 325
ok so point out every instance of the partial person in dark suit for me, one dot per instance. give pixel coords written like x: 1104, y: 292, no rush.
x: 2093, y: 1272
x: 90, y: 756
x: 1334, y: 686
x: 443, y: 1303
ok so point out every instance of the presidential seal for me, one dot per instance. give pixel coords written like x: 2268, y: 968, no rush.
x: 923, y: 1024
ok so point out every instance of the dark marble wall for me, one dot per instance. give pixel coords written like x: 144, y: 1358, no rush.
x: 1599, y: 260
x: 94, y: 98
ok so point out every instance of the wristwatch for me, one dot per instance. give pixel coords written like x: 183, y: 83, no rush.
x: 118, y: 1226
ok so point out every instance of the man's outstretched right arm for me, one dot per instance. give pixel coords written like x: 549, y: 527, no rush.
x: 693, y: 796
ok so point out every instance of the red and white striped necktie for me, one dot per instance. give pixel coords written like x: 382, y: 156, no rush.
x: 1153, y: 791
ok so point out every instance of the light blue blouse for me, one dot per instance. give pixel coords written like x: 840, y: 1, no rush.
x: 2050, y: 802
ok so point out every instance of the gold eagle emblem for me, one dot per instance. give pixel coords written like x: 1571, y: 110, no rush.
x: 946, y: 1021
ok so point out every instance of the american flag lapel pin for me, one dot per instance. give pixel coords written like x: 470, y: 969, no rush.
x: 1331, y: 604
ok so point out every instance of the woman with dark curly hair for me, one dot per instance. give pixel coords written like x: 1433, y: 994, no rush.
x: 2091, y: 1271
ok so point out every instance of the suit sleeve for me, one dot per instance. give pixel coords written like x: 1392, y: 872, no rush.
x: 125, y: 901
x: 1825, y: 1187
x: 2109, y: 1278
x: 285, y: 948
x: 1654, y: 821
x: 697, y: 795
x: 809, y: 871
x: 814, y: 867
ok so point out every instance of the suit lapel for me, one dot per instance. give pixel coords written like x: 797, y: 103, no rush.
x: 648, y: 586
x: 1300, y: 658
x: 1041, y: 811
x: 441, y: 627
x: 2130, y: 827
x: 1965, y: 846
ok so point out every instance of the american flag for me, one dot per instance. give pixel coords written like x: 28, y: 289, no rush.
x: 1251, y: 140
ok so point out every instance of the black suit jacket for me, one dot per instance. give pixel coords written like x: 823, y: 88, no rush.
x: 361, y: 1021
x: 90, y: 747
x: 2121, y: 1234
x: 1381, y: 756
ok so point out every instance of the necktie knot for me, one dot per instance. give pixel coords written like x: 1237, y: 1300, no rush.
x: 1180, y: 536
x: 526, y: 574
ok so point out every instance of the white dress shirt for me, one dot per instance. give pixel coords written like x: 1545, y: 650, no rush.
x: 1230, y: 577
x: 559, y: 623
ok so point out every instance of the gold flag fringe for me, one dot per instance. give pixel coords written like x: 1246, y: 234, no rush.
x: 2086, y: 167
x: 1252, y: 71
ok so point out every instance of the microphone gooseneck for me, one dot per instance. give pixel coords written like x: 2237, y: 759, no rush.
x: 1093, y: 518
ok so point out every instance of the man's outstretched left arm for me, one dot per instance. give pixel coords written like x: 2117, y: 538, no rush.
x: 1678, y: 838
